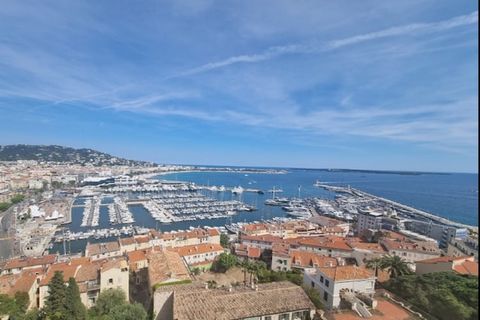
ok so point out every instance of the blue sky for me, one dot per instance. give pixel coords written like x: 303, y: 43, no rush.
x: 322, y: 84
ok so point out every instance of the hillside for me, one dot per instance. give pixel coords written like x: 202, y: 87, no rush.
x: 53, y: 153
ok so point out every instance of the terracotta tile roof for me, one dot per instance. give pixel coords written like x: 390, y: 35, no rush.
x: 404, y: 245
x: 213, y: 232
x: 30, y: 261
x: 137, y: 255
x: 197, y: 249
x: 192, y: 302
x: 253, y: 252
x: 142, y: 239
x: 362, y: 245
x: 343, y: 273
x: 444, y: 259
x: 127, y: 241
x: 99, y: 248
x: 326, y: 242
x: 467, y: 268
x: 306, y: 259
x: 267, y: 238
x: 68, y: 270
x: 7, y: 282
x: 254, y: 227
x: 119, y: 263
x: 247, y: 251
x: 166, y: 265
x: 88, y: 272
x: 281, y: 249
x: 25, y: 282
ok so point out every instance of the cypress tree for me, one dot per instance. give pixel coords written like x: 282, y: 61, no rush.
x: 75, y: 310
x: 55, y: 303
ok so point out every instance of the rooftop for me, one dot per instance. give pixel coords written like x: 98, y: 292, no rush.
x: 194, y: 302
x: 345, y: 273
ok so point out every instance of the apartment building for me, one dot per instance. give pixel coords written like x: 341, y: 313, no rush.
x: 331, y: 282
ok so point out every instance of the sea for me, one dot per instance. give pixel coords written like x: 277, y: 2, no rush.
x: 450, y: 195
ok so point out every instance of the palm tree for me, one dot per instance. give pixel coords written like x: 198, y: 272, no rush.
x: 245, y: 267
x: 395, y: 265
x: 374, y: 264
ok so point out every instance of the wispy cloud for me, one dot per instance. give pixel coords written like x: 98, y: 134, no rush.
x: 273, y: 52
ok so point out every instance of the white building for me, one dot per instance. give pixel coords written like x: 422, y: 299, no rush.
x: 369, y: 220
x: 332, y: 281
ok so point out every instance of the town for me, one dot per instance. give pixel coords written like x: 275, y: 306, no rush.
x: 332, y: 259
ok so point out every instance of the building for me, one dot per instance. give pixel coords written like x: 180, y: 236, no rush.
x: 200, y: 255
x: 331, y: 246
x: 97, y: 251
x: 462, y: 265
x: 25, y: 281
x: 463, y: 247
x: 92, y: 277
x: 270, y: 301
x: 331, y: 282
x: 299, y: 259
x: 245, y: 252
x: 369, y: 220
x: 411, y: 251
x: 17, y: 265
x: 440, y: 232
x: 165, y: 266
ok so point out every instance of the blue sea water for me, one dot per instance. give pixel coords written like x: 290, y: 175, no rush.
x: 453, y: 196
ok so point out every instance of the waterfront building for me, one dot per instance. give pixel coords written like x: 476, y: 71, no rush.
x: 465, y: 265
x: 97, y: 251
x: 440, y: 232
x: 463, y: 247
x: 332, y: 282
x: 270, y: 301
x: 369, y: 220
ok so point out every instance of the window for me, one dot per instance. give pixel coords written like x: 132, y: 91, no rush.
x: 284, y: 316
x: 110, y: 280
x: 313, y: 284
x: 327, y: 283
x: 321, y: 279
x: 325, y: 296
x: 267, y: 318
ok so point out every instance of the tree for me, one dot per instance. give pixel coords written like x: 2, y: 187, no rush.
x: 443, y: 295
x: 107, y: 301
x: 7, y: 305
x: 128, y: 312
x: 21, y: 301
x: 374, y: 264
x: 17, y: 198
x: 224, y: 240
x: 395, y: 265
x: 224, y: 262
x: 75, y: 310
x: 314, y: 296
x: 55, y: 303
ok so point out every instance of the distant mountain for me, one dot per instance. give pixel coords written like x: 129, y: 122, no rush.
x: 54, y: 153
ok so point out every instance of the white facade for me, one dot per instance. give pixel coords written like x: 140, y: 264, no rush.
x: 330, y: 289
